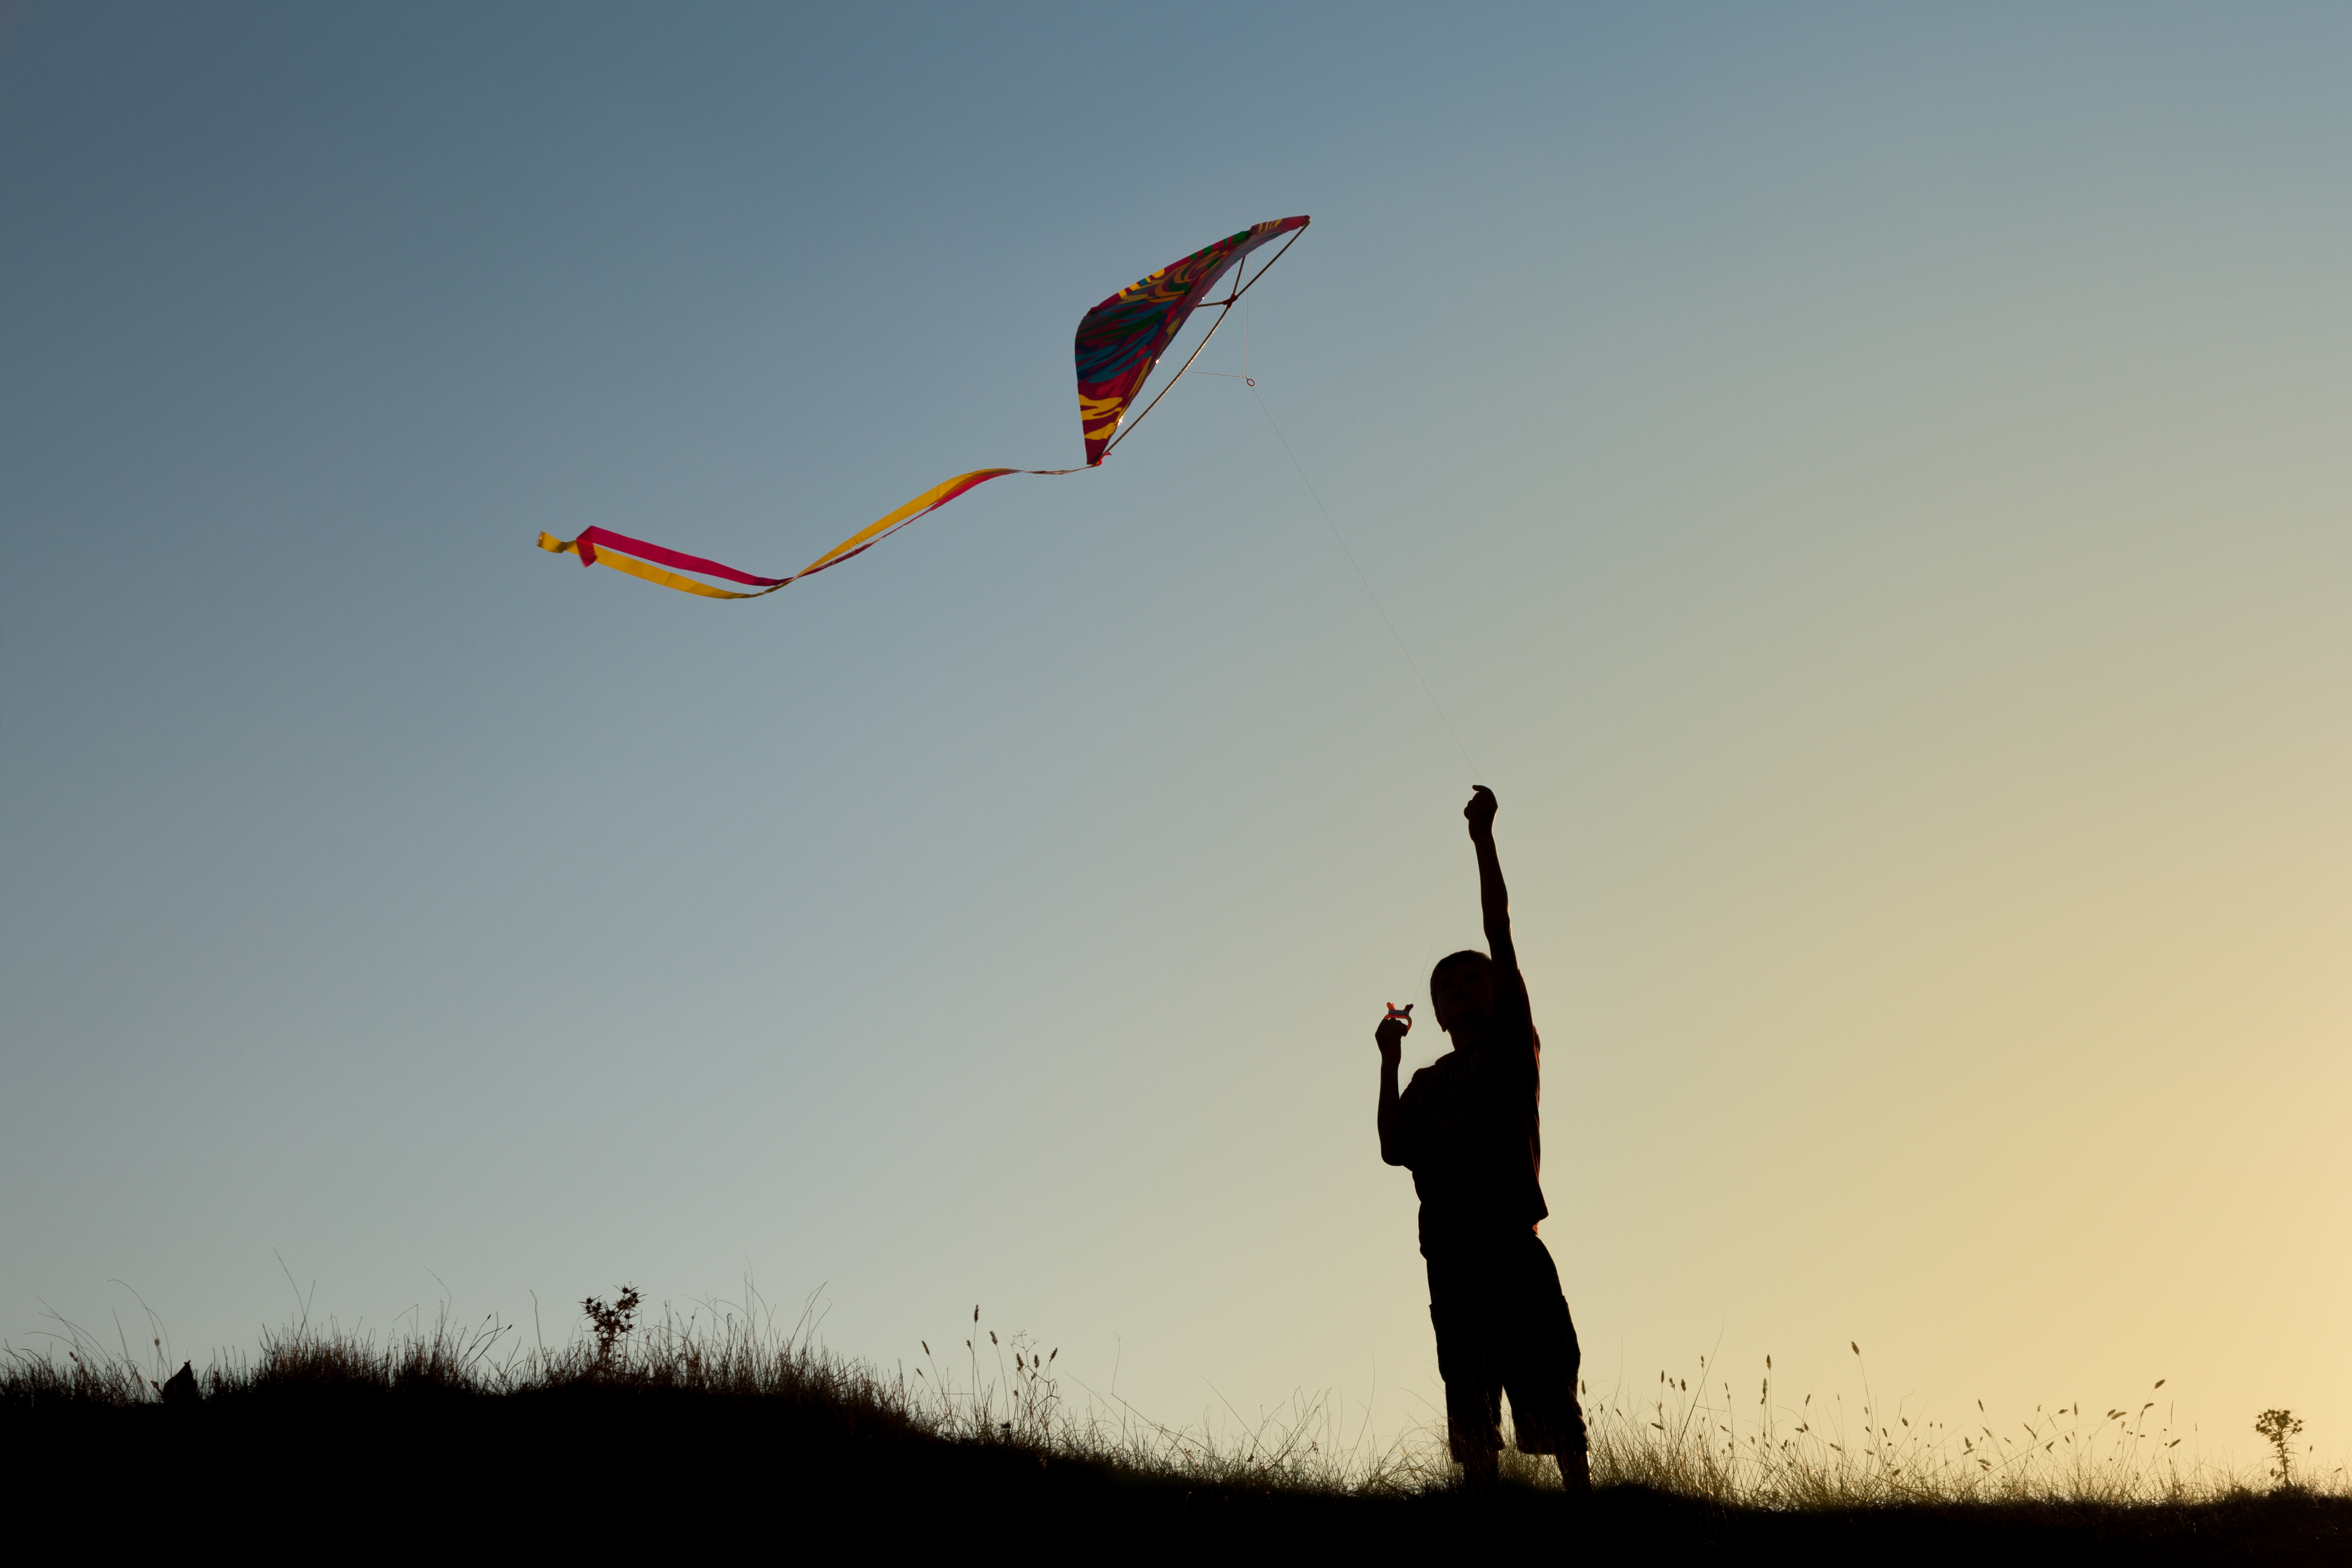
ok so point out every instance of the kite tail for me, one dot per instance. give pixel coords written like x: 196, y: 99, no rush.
x: 603, y: 547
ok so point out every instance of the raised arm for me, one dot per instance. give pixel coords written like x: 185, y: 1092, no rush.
x: 1494, y: 899
x: 1511, y: 1020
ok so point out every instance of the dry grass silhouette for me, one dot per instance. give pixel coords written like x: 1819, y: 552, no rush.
x: 1703, y: 1443
x: 1002, y: 1392
x: 1710, y: 1442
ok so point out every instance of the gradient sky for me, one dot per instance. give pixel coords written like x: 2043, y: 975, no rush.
x: 1868, y: 485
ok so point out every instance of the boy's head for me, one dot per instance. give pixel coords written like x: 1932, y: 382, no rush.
x: 1461, y: 992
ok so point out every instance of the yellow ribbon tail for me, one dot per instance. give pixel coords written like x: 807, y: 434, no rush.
x: 670, y: 579
x: 608, y: 556
x: 936, y: 496
x: 597, y: 547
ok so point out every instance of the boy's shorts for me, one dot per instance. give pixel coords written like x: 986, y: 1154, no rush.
x: 1503, y: 1327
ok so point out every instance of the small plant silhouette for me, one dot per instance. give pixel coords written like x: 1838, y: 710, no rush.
x: 612, y: 1324
x: 2278, y: 1425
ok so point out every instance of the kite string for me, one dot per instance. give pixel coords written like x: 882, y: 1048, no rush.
x: 1427, y: 690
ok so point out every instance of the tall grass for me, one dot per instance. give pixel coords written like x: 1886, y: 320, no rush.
x: 1695, y: 1438
x: 1000, y: 1392
x: 1707, y: 1441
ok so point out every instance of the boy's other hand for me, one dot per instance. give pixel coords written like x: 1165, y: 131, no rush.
x: 1481, y: 812
x: 1390, y: 1035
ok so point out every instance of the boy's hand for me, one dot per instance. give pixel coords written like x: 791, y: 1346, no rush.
x: 1390, y: 1035
x: 1481, y: 812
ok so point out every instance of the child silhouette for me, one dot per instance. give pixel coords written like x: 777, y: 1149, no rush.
x: 1467, y: 1126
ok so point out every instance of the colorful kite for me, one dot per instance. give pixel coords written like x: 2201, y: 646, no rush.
x: 1119, y: 344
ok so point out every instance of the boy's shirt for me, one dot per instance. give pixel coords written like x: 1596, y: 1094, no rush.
x: 1471, y: 1135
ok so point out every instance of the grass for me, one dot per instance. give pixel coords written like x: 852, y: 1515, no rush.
x: 731, y: 1418
x: 1005, y: 1395
x: 1710, y: 1442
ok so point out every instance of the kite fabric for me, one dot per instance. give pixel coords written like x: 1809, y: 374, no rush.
x: 1122, y: 338
x: 1120, y: 342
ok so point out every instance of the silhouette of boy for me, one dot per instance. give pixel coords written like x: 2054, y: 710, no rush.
x: 1467, y: 1126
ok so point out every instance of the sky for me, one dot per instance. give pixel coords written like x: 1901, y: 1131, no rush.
x: 1866, y: 488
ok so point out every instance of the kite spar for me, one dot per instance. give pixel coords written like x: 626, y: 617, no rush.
x: 1119, y: 343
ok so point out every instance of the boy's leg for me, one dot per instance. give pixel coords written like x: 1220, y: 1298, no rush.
x: 1575, y: 1454
x: 1474, y: 1429
x: 1462, y: 1311
x: 1542, y: 1363
x: 1575, y: 1458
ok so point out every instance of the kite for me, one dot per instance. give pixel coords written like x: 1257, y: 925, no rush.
x: 1119, y: 345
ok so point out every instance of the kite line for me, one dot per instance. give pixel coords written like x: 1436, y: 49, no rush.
x: 1426, y: 689
x: 1119, y: 345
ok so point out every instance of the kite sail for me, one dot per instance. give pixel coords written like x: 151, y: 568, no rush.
x: 1122, y: 338
x: 1119, y: 345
